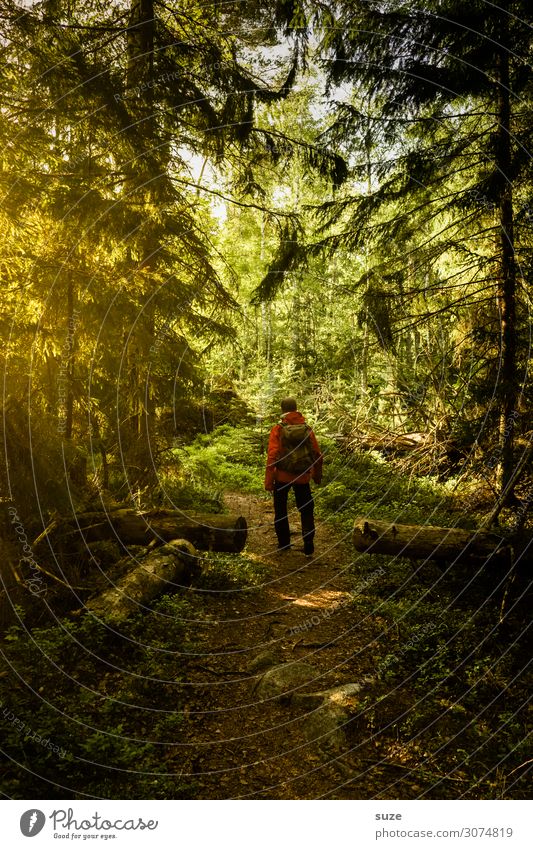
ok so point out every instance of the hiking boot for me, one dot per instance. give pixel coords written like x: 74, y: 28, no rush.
x: 284, y: 547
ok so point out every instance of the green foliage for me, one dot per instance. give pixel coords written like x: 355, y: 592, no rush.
x: 178, y: 489
x: 231, y: 572
x: 110, y: 297
x: 229, y: 458
x: 451, y: 684
x: 363, y: 483
x: 105, y: 706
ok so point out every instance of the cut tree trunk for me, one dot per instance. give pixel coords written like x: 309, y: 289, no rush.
x: 206, y: 532
x: 430, y: 543
x: 507, y: 388
x: 386, y: 442
x: 166, y: 569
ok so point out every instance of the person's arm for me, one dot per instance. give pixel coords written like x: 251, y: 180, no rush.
x: 316, y: 472
x: 272, y: 456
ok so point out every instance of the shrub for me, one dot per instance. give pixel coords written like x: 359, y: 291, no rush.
x: 89, y: 694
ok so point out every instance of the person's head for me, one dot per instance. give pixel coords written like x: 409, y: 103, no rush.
x: 288, y: 405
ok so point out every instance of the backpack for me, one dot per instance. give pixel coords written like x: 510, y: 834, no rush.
x: 297, y: 453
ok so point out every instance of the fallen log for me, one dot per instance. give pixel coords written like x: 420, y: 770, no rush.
x: 386, y: 442
x: 206, y: 532
x: 430, y: 543
x: 171, y: 567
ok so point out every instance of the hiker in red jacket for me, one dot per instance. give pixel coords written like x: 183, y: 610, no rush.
x: 293, y: 458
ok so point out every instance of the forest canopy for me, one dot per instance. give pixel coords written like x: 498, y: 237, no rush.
x: 207, y: 208
x: 336, y: 198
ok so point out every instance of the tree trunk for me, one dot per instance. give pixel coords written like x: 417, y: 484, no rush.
x: 506, y: 294
x: 366, y: 333
x: 69, y: 354
x: 140, y: 37
x: 425, y: 542
x: 147, y: 172
x: 165, y: 570
x: 206, y: 532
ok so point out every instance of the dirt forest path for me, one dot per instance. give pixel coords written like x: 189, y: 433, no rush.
x: 239, y: 745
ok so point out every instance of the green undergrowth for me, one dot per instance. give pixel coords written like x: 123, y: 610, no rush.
x: 178, y: 488
x: 228, y: 572
x: 91, y: 711
x: 87, y: 710
x: 228, y: 459
x: 362, y: 483
x: 354, y: 483
x: 451, y: 654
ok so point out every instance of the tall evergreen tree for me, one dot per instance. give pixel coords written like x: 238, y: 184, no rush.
x: 103, y: 108
x: 450, y: 87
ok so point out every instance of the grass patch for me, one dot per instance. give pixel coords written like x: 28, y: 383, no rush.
x: 454, y: 678
x: 229, y: 458
x: 362, y: 483
x: 78, y: 703
x: 231, y: 572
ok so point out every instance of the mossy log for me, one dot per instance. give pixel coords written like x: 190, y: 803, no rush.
x: 430, y: 543
x: 166, y: 569
x: 207, y: 532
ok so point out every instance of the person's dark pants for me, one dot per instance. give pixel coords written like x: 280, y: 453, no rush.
x: 304, y: 503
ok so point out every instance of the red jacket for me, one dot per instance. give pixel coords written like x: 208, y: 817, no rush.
x: 274, y: 450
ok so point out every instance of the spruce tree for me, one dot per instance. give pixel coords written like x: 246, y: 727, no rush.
x: 450, y: 89
x: 103, y: 108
